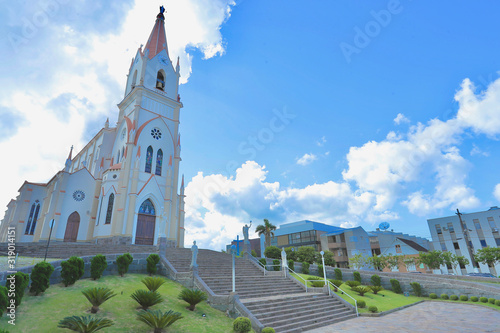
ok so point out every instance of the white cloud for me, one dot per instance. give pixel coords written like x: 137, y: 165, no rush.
x: 321, y: 142
x: 477, y: 151
x: 307, y: 159
x: 496, y: 192
x: 400, y: 118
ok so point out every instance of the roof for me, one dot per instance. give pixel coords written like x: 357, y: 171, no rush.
x: 414, y: 245
x: 157, y: 40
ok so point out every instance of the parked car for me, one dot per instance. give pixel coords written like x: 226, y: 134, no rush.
x: 482, y: 275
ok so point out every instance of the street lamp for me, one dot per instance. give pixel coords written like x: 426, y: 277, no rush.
x: 323, y: 261
x: 233, y: 251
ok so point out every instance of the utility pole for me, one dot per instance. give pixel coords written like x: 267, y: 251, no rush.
x: 468, y: 242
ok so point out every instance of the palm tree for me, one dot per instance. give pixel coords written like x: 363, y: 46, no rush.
x: 86, y: 324
x: 192, y: 297
x: 158, y: 319
x: 97, y: 296
x: 267, y: 229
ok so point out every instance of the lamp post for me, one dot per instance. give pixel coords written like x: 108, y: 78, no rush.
x: 50, y: 234
x: 323, y: 261
x: 233, y: 251
x: 468, y: 243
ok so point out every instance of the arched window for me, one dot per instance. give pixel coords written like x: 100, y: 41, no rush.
x: 149, y: 159
x: 30, y: 218
x: 160, y: 81
x: 30, y: 226
x: 118, y: 158
x: 35, y: 217
x: 147, y: 208
x: 134, y: 79
x: 159, y: 161
x: 109, y: 212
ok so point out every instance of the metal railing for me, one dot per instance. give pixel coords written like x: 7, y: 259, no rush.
x: 343, y: 292
x: 262, y: 265
x: 297, y: 275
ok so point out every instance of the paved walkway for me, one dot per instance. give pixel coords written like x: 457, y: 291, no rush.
x: 424, y: 317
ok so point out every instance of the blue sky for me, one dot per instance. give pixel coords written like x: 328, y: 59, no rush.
x: 343, y: 112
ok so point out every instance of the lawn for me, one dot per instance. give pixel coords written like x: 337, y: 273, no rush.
x: 21, y: 262
x: 42, y: 313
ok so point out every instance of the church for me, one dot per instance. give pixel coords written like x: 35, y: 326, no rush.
x: 123, y: 186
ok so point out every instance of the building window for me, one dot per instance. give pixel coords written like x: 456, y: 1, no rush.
x: 483, y: 242
x: 159, y: 161
x: 497, y: 240
x: 491, y: 221
x: 147, y: 208
x: 160, y: 81
x: 477, y: 224
x: 149, y: 159
x: 450, y: 227
x: 398, y: 248
x: 455, y: 246
x: 438, y: 229
x: 109, y: 212
x: 31, y: 225
x: 443, y: 247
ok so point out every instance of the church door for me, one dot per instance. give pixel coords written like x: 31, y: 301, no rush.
x: 146, y: 218
x: 72, y: 227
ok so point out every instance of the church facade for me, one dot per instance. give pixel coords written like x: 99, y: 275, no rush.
x: 123, y: 186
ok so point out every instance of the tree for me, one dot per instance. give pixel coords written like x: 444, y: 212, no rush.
x: 307, y: 254
x: 393, y: 261
x: 123, y: 262
x: 72, y: 270
x: 97, y: 296
x: 432, y: 259
x: 97, y: 266
x: 409, y: 262
x: 329, y: 258
x: 40, y: 277
x: 291, y: 254
x: 489, y: 256
x: 267, y: 229
x: 378, y: 262
x: 272, y: 252
x: 462, y: 261
x: 449, y: 259
x: 157, y: 319
x: 357, y: 261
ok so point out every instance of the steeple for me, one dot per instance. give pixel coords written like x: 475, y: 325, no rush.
x: 158, y: 39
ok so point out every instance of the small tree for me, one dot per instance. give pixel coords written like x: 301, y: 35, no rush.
x: 417, y: 288
x: 123, y: 262
x: 432, y: 259
x: 192, y: 297
x: 305, y: 268
x: 276, y: 264
x: 375, y: 280
x: 272, y: 252
x: 338, y: 274
x: 357, y: 261
x: 72, y: 270
x: 4, y: 299
x: 21, y: 281
x: 489, y: 256
x: 290, y: 253
x: 357, y: 276
x: 146, y: 298
x: 307, y: 254
x: 320, y: 271
x: 87, y: 324
x: 97, y: 296
x: 152, y: 260
x: 97, y: 266
x: 291, y: 264
x: 242, y: 325
x: 253, y: 253
x: 377, y: 262
x: 462, y: 261
x: 329, y: 258
x: 40, y: 277
x: 267, y: 229
x: 393, y: 261
x: 157, y: 319
x: 396, y: 287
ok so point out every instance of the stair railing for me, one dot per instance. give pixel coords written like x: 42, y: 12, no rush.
x: 343, y: 292
x: 251, y: 257
x: 297, y: 275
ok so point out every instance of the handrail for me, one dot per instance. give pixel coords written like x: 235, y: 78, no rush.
x: 258, y: 262
x: 355, y: 302
x: 305, y: 281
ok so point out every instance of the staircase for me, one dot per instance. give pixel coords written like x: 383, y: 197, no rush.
x: 275, y: 301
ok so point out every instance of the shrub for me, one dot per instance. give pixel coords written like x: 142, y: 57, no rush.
x: 87, y: 324
x: 464, y: 298
x: 417, y: 288
x: 4, y: 299
x: 268, y: 330
x: 474, y: 298
x: 263, y: 262
x: 357, y: 276
x: 40, y: 277
x: 253, y: 253
x: 123, y: 262
x: 352, y: 283
x: 396, y: 287
x: 491, y: 300
x: 157, y: 319
x: 146, y: 298
x: 444, y: 296
x: 433, y: 296
x: 291, y: 264
x: 276, y: 264
x: 310, y: 278
x: 151, y: 261
x: 372, y: 309
x: 375, y: 280
x: 97, y: 296
x: 242, y: 325
x: 21, y: 281
x: 376, y: 289
x: 338, y: 274
x: 361, y: 304
x: 72, y: 270
x: 272, y: 252
x: 97, y: 266
x: 497, y: 302
x: 153, y: 283
x: 454, y: 297
x: 320, y: 271
x: 483, y: 300
x: 318, y: 283
x: 361, y: 290
x: 338, y: 283
x: 305, y: 268
x: 192, y: 297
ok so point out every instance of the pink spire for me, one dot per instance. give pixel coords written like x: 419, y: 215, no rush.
x: 157, y: 40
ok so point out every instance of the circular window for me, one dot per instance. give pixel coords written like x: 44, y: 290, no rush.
x: 79, y: 195
x: 156, y: 133
x: 114, y: 176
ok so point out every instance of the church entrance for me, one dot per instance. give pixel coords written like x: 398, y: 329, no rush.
x: 72, y: 227
x: 146, y: 218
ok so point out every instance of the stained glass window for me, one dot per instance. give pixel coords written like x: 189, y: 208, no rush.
x: 35, y: 217
x: 109, y: 212
x: 30, y: 218
x: 147, y: 208
x: 149, y: 159
x: 159, y: 161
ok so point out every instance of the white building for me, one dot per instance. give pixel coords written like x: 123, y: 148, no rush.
x: 479, y: 230
x: 122, y: 187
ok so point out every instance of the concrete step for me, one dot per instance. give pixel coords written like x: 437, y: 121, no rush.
x: 295, y: 319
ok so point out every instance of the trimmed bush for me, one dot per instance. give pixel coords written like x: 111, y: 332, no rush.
x: 40, y: 277
x: 338, y: 274
x: 21, y: 283
x: 483, y: 300
x: 313, y: 278
x: 417, y: 288
x: 474, y: 298
x: 146, y: 298
x: 272, y: 252
x: 72, y: 270
x: 361, y: 304
x: 372, y: 309
x: 318, y: 283
x: 376, y: 289
x: 305, y: 268
x: 123, y: 262
x: 263, y: 262
x: 268, y: 330
x: 454, y: 297
x: 361, y: 290
x: 396, y: 287
x: 4, y: 299
x: 276, y: 264
x: 444, y: 296
x: 242, y: 325
x: 352, y: 283
x: 375, y: 280
x: 97, y: 266
x: 338, y: 283
x: 320, y: 271
x: 464, y: 298
x: 97, y: 296
x: 291, y: 265
x: 153, y: 283
x: 433, y: 296
x: 157, y: 319
x: 497, y: 302
x: 192, y: 297
x: 151, y: 261
x: 357, y: 276
x: 491, y: 300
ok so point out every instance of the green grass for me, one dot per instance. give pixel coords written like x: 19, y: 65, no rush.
x: 21, y: 262
x: 42, y: 313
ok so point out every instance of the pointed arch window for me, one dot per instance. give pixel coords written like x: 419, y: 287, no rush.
x: 118, y: 158
x: 149, y: 159
x: 134, y: 79
x: 159, y: 162
x: 31, y: 225
x: 109, y: 211
x: 160, y: 81
x: 147, y: 208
